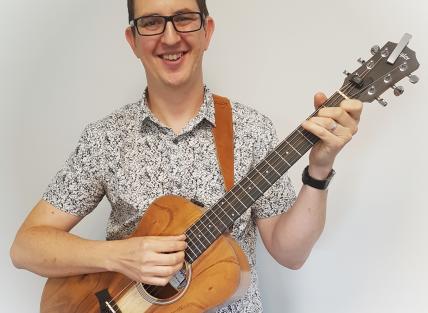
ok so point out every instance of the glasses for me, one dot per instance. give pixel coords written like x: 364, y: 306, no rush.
x: 156, y: 24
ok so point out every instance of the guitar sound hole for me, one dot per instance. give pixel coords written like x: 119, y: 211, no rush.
x: 176, y: 285
x: 160, y: 292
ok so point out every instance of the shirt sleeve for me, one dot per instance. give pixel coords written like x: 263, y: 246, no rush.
x: 281, y: 196
x: 78, y: 187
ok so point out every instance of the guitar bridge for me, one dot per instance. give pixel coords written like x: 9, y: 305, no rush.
x: 107, y: 305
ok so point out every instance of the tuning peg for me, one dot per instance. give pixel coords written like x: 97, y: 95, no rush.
x: 413, y: 79
x: 361, y: 61
x: 398, y: 90
x: 375, y: 49
x: 345, y: 72
x: 382, y: 102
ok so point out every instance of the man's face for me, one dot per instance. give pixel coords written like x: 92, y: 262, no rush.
x: 171, y: 59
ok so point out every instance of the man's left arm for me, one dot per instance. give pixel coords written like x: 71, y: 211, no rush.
x: 290, y: 236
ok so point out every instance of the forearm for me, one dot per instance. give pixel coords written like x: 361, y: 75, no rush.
x: 296, y: 231
x: 50, y: 252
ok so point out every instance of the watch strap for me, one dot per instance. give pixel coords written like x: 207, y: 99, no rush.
x: 316, y: 183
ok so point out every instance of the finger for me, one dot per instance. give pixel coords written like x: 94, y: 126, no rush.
x: 325, y: 122
x: 319, y: 99
x: 178, y: 237
x: 321, y: 132
x: 175, y: 258
x: 162, y: 271
x: 154, y: 280
x: 167, y: 246
x: 353, y: 107
x: 341, y: 116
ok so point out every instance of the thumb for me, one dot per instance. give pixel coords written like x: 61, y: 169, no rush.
x: 319, y: 99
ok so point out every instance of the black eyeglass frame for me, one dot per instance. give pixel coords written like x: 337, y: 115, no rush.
x: 170, y: 18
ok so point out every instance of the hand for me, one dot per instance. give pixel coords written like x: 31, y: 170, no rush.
x: 335, y: 127
x: 150, y: 260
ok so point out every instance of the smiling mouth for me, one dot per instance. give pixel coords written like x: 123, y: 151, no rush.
x: 172, y: 56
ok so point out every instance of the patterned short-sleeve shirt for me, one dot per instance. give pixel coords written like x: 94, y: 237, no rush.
x: 132, y: 158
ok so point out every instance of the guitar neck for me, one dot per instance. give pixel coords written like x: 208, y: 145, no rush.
x: 234, y: 203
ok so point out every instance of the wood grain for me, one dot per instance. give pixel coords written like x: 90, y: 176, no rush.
x: 216, y: 275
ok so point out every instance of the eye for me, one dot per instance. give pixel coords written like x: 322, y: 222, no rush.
x: 151, y: 22
x: 186, y: 18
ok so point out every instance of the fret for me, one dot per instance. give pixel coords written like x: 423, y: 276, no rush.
x: 208, y: 223
x: 278, y: 162
x: 206, y: 228
x: 195, y: 245
x: 287, y: 151
x: 238, y: 198
x: 215, y: 214
x: 233, y: 209
x: 262, y: 175
x: 200, y: 235
x: 276, y: 152
x: 197, y: 236
x: 245, y: 190
x: 274, y: 170
x: 250, y: 180
x: 189, y: 249
x: 232, y: 197
x: 230, y: 205
x: 290, y: 155
x: 295, y: 149
x: 304, y: 136
x: 251, y: 187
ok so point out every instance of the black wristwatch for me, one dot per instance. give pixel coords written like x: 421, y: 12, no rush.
x: 316, y: 183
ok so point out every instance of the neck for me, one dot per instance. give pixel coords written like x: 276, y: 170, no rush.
x: 175, y: 106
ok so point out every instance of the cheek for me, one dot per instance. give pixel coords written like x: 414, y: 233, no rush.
x: 145, y: 48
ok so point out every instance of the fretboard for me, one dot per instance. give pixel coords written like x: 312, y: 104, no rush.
x: 234, y: 203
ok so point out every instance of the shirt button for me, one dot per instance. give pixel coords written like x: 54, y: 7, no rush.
x: 175, y: 141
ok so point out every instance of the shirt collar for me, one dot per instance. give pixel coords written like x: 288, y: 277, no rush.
x: 206, y: 111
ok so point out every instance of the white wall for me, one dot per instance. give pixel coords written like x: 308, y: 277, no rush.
x: 66, y: 63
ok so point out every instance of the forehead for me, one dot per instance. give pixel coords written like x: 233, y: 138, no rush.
x: 163, y: 7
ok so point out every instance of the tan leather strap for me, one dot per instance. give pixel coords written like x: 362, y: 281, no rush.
x: 223, y: 138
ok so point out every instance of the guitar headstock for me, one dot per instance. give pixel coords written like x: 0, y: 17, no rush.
x: 388, y: 65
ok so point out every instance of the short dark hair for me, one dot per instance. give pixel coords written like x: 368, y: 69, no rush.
x: 202, y: 4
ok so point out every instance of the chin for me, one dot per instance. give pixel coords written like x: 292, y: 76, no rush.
x: 176, y: 81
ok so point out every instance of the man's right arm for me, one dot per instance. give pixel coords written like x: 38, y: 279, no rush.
x: 43, y: 245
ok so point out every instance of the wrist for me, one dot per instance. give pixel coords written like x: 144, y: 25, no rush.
x: 319, y: 172
x: 109, y: 255
x: 315, y: 182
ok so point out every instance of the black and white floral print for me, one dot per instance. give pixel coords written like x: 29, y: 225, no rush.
x: 132, y: 158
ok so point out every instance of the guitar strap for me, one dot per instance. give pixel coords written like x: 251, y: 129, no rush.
x: 223, y: 138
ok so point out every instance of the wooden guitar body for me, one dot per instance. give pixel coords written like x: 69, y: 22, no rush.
x: 219, y: 274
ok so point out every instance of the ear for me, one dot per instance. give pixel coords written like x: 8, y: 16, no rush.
x: 209, y: 30
x: 130, y: 38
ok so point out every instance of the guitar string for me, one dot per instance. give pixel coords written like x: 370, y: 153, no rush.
x: 216, y: 213
x: 277, y: 158
x: 152, y: 288
x: 306, y: 139
x: 293, y: 139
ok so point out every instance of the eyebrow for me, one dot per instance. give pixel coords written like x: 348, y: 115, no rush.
x: 185, y: 10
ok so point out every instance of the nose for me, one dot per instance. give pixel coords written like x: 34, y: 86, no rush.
x: 170, y: 36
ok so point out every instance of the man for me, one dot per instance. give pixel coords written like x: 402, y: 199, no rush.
x: 163, y: 145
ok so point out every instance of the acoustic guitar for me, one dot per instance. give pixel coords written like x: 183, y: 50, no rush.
x: 216, y: 269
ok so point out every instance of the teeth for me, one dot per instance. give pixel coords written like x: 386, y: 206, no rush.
x: 172, y: 57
